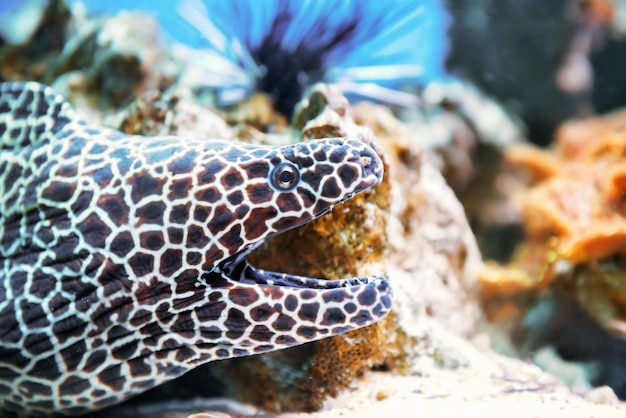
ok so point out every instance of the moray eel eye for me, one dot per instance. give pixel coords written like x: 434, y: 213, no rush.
x: 285, y: 176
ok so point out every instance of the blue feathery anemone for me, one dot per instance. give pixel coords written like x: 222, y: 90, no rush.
x: 279, y: 47
x: 369, y: 48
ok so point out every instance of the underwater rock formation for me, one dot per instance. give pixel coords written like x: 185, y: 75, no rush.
x: 108, y: 61
x: 410, y: 227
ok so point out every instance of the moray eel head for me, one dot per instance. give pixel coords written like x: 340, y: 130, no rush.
x: 273, y: 310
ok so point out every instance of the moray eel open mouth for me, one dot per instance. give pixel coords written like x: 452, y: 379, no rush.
x: 324, y: 307
x: 123, y: 257
x: 311, y: 308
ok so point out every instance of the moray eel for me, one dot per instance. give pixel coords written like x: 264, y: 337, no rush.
x: 123, y: 257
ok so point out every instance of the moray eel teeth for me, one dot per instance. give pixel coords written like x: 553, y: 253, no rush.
x: 123, y: 257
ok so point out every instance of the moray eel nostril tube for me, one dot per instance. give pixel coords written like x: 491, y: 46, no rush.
x: 123, y: 257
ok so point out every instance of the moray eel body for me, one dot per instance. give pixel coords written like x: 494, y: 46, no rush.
x: 123, y: 257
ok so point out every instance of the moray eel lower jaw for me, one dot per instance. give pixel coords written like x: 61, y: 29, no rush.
x: 290, y: 310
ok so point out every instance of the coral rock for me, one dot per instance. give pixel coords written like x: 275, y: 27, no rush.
x: 410, y: 228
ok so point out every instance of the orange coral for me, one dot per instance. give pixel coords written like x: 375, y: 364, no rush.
x: 600, y: 10
x: 574, y: 214
x: 539, y: 164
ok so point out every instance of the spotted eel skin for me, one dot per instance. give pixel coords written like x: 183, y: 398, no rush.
x: 123, y: 257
